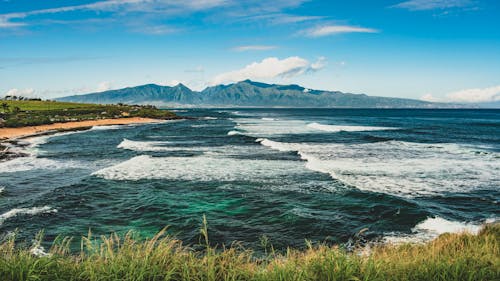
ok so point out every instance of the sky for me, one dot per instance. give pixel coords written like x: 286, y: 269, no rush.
x: 435, y: 50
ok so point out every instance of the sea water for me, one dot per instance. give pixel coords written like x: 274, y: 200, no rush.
x: 287, y: 174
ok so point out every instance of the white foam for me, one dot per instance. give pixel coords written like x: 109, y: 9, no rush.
x: 107, y: 127
x: 201, y: 168
x: 2, y: 189
x: 22, y: 164
x: 233, y: 133
x: 439, y: 226
x: 26, y: 211
x: 39, y: 251
x: 400, y: 168
x: 143, y: 145
x: 266, y: 127
x: 431, y: 228
x: 339, y: 128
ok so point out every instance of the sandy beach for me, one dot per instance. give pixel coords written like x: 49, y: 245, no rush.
x: 14, y: 133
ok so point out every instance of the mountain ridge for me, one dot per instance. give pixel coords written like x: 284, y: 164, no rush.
x: 248, y: 93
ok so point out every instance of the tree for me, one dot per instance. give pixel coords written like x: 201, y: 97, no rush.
x: 5, y: 107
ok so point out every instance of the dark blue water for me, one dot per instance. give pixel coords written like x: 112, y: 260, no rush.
x: 288, y: 174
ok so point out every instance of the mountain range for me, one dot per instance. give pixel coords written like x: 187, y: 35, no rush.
x: 247, y: 94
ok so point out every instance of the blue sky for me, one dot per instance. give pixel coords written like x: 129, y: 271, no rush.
x: 443, y: 50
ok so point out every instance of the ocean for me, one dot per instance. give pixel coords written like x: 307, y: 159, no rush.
x: 284, y: 174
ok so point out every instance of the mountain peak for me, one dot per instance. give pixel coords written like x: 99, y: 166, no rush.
x: 247, y: 93
x: 182, y: 86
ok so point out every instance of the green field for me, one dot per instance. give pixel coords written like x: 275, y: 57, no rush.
x: 19, y: 113
x: 449, y: 257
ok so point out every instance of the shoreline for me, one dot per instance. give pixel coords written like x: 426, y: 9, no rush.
x: 9, y: 137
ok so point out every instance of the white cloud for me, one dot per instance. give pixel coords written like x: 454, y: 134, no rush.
x: 254, y: 48
x: 122, y: 7
x: 154, y: 12
x: 319, y: 64
x: 104, y: 86
x: 420, y: 5
x: 156, y: 29
x: 326, y: 30
x: 27, y: 93
x: 478, y: 95
x: 491, y: 94
x: 271, y: 68
x: 430, y: 98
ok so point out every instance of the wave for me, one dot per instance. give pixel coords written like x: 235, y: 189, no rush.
x: 339, y: 128
x: 143, y: 145
x: 26, y: 211
x: 432, y: 227
x: 107, y: 127
x: 265, y: 127
x: 399, y: 168
x: 23, y: 164
x: 233, y: 133
x: 2, y: 189
x: 201, y: 168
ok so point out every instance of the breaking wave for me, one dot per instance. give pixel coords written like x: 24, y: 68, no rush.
x: 26, y: 211
x: 143, y: 145
x: 265, y: 126
x: 339, y: 128
x: 200, y: 168
x: 433, y: 227
x: 400, y: 168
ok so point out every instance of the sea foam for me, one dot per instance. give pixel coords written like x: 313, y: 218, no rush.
x: 26, y: 211
x: 143, y: 145
x: 200, y: 168
x: 22, y: 164
x: 432, y: 227
x: 266, y: 126
x: 400, y: 168
x: 339, y: 128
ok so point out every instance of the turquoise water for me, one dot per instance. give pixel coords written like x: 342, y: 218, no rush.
x: 288, y: 174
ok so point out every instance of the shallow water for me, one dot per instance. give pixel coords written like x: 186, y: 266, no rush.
x: 288, y: 174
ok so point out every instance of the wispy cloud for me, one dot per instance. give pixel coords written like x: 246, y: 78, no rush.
x: 253, y: 48
x: 326, y: 30
x: 422, y: 5
x: 150, y: 13
x: 6, y: 62
x: 278, y: 18
x: 118, y: 7
x: 271, y: 67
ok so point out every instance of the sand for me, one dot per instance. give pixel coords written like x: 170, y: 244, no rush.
x: 13, y: 133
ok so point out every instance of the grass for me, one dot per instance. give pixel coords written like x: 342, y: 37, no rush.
x: 20, y: 113
x: 449, y: 257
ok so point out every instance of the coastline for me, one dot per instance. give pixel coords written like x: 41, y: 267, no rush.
x: 9, y: 137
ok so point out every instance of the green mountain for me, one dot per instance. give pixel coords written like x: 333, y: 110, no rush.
x: 246, y: 94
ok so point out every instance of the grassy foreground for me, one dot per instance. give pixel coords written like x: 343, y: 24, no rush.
x: 449, y: 257
x: 20, y: 113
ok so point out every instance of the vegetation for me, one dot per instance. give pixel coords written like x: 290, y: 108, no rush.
x: 449, y: 257
x: 22, y: 112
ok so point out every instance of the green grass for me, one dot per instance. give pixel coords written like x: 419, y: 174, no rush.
x: 44, y: 105
x: 449, y: 257
x: 30, y: 113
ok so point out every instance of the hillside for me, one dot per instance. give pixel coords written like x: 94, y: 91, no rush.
x: 247, y: 94
x: 21, y: 113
